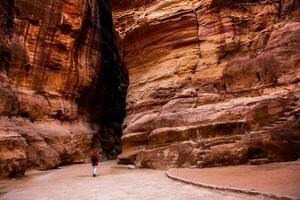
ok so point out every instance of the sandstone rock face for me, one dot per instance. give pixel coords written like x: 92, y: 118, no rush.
x: 62, y: 85
x: 210, y: 82
x: 13, y: 154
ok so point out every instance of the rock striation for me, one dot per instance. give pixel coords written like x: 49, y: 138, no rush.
x: 62, y: 83
x: 211, y: 82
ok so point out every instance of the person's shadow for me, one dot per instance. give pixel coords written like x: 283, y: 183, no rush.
x: 84, y: 176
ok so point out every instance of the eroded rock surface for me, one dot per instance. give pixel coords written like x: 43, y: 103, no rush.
x: 210, y: 82
x: 13, y: 154
x: 62, y: 84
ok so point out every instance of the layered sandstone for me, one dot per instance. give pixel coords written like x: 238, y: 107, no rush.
x: 210, y: 82
x: 62, y: 84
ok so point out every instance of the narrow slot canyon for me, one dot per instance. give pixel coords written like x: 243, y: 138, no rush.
x: 205, y: 92
x: 179, y: 86
x: 104, y: 101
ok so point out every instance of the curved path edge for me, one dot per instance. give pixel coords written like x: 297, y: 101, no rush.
x: 230, y: 189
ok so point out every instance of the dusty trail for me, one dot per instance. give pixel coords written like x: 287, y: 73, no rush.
x: 75, y: 182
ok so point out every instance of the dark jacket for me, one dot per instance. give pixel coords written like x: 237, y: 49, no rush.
x: 94, y: 158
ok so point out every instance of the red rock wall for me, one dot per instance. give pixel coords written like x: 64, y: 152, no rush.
x: 210, y: 82
x: 57, y: 59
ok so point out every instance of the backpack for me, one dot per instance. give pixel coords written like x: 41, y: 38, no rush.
x: 94, y: 159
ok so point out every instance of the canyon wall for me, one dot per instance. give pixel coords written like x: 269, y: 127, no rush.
x: 62, y: 87
x: 211, y: 82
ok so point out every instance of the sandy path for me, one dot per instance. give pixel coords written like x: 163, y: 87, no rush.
x: 75, y: 182
x: 279, y: 179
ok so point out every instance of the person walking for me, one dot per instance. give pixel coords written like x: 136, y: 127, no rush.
x: 95, y: 160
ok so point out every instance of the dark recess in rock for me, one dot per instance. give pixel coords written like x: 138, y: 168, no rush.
x: 105, y: 101
x: 10, y: 17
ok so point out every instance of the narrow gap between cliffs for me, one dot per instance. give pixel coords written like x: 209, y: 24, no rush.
x: 105, y: 101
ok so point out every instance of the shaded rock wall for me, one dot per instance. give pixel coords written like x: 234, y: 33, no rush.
x: 62, y: 83
x: 210, y: 82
